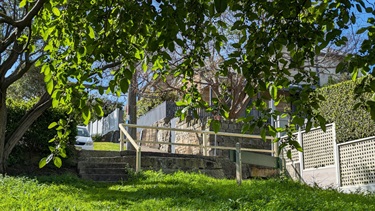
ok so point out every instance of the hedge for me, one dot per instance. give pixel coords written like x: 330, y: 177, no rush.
x: 37, y: 136
x: 338, y: 107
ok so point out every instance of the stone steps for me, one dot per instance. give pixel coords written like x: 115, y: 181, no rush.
x: 114, y: 166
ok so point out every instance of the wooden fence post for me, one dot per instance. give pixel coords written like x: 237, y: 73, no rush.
x: 121, y: 141
x: 238, y: 164
x: 205, y: 150
x: 138, y: 160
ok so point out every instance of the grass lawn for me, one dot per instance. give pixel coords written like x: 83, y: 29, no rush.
x: 180, y: 191
x: 108, y: 146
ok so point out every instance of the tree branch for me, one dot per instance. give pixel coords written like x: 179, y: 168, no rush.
x: 26, y: 21
x: 27, y: 120
x: 7, y: 65
x: 6, y: 19
x: 17, y: 74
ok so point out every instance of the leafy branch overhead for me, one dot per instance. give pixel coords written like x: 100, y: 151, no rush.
x: 274, y: 51
x: 174, y: 38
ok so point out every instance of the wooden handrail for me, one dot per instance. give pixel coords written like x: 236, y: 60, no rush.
x: 137, y: 146
x: 199, y: 131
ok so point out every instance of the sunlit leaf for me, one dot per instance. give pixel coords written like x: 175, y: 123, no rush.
x: 52, y: 125
x: 23, y: 3
x: 56, y: 11
x: 42, y: 162
x: 57, y: 161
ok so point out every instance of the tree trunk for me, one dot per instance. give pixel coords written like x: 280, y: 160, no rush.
x: 3, y: 123
x: 27, y: 120
x: 132, y: 110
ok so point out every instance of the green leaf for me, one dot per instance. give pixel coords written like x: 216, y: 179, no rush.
x: 361, y: 30
x: 51, y: 140
x: 57, y: 161
x: 180, y: 103
x: 56, y: 11
x: 55, y: 103
x: 124, y: 85
x: 289, y: 154
x: 52, y: 125
x: 224, y: 113
x: 272, y: 131
x: 216, y: 125
x: 273, y: 91
x: 98, y: 110
x: 355, y: 74
x: 296, y: 145
x: 51, y: 148
x: 359, y: 9
x: 50, y: 86
x: 308, y: 126
x: 144, y: 66
x: 23, y: 3
x: 91, y: 32
x: 263, y: 134
x: 62, y: 153
x: 86, y: 114
x: 221, y: 5
x: 42, y: 162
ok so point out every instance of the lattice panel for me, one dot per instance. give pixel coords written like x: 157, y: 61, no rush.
x: 318, y: 148
x: 357, y: 163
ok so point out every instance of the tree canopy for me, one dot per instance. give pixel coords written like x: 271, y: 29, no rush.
x: 74, y: 42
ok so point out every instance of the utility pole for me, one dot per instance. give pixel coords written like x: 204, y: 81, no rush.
x: 132, y: 110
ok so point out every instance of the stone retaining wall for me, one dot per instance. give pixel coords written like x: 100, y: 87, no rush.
x: 194, y: 138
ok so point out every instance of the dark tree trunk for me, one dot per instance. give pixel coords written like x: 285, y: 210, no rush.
x: 3, y: 123
x: 27, y: 120
x: 132, y: 111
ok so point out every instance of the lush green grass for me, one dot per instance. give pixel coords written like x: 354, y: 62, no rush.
x: 180, y: 191
x: 108, y: 146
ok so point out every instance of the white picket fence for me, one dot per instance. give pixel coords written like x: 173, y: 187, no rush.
x: 106, y: 124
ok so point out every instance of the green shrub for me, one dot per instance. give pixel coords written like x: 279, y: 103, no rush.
x: 338, y: 107
x: 36, y: 138
x: 97, y: 137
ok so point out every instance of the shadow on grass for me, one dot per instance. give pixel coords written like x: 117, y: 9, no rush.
x: 193, y: 191
x: 175, y: 190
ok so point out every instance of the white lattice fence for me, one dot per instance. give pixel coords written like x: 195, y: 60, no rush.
x: 357, y: 162
x: 318, y: 147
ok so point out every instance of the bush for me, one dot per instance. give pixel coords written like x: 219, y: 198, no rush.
x: 97, y: 137
x: 338, y: 107
x: 36, y: 138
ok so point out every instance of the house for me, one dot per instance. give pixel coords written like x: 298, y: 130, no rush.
x: 211, y: 87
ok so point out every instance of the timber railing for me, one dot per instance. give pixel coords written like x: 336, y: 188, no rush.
x: 204, y: 146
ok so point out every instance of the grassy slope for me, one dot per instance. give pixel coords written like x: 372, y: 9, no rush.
x: 181, y: 191
x: 107, y: 146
